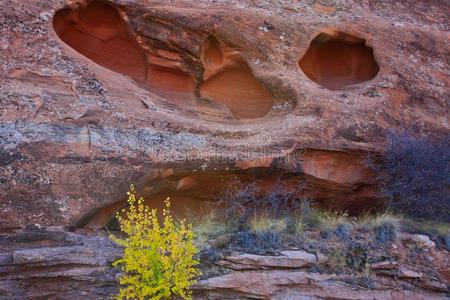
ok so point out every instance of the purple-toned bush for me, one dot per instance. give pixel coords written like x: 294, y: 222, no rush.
x: 243, y: 200
x: 414, y: 175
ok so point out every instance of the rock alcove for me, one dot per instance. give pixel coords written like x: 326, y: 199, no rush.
x: 336, y: 60
x: 228, y: 79
x: 99, y: 31
x: 342, y: 177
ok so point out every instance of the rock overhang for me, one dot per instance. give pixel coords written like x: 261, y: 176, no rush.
x: 69, y: 117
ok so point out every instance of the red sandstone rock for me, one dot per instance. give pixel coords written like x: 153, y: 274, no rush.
x: 329, y: 10
x: 294, y: 285
x: 96, y: 95
x: 419, y: 240
x: 384, y: 265
x: 405, y: 273
x: 186, y: 183
x: 287, y: 259
x: 336, y: 60
x: 446, y: 274
x: 53, y: 263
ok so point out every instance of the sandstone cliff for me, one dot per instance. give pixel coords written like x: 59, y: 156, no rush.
x: 96, y: 95
x: 182, y: 97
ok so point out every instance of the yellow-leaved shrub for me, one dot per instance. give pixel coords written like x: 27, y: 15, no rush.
x: 158, y: 260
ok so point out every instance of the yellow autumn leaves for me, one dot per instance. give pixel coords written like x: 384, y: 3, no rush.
x: 158, y: 260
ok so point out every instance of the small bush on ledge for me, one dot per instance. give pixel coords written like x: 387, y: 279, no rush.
x: 414, y: 175
x: 158, y: 260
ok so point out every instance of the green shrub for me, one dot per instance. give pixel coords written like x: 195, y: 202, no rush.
x: 158, y: 258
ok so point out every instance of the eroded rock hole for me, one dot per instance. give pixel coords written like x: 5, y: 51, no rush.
x: 336, y: 60
x: 230, y: 80
x: 212, y: 57
x: 99, y: 31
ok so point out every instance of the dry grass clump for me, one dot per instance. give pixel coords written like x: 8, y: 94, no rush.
x: 329, y: 220
x: 335, y: 258
x: 207, y: 225
x: 244, y: 207
x: 386, y: 226
x: 431, y: 228
x: 371, y: 221
x: 264, y: 223
x: 212, y: 223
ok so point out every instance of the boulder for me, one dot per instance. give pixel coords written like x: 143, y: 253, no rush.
x: 406, y: 273
x: 419, y: 240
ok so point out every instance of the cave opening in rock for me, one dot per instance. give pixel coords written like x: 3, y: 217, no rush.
x: 244, y: 95
x: 99, y: 30
x: 336, y: 60
x: 229, y: 79
x: 193, y: 195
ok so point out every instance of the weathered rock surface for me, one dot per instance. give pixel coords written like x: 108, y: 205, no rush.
x: 181, y: 99
x: 53, y: 263
x: 47, y: 264
x: 286, y: 259
x: 418, y: 240
x: 95, y: 95
x: 296, y: 285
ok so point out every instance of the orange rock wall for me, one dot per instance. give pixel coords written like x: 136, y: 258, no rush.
x: 95, y: 95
